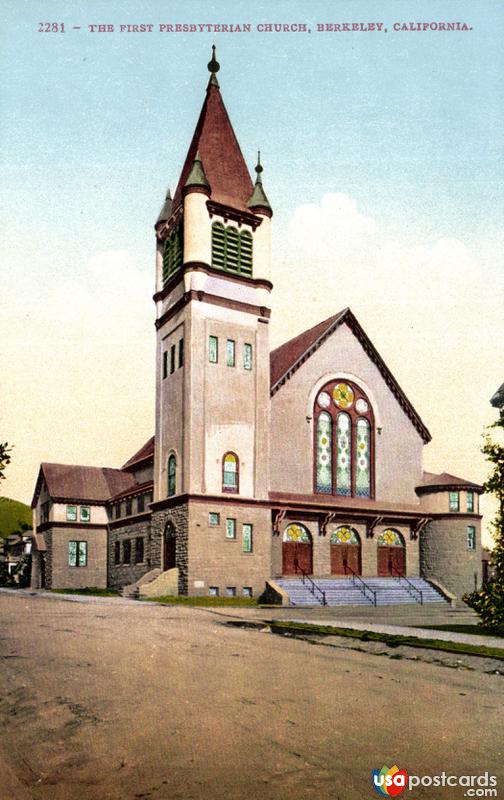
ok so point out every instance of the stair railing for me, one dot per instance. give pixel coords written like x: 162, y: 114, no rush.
x: 310, y: 583
x: 361, y: 585
x: 410, y: 587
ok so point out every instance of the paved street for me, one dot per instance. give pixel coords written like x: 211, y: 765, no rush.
x: 109, y: 699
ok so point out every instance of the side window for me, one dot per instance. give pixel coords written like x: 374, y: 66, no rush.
x: 471, y: 537
x: 127, y: 551
x: 117, y: 553
x: 247, y: 538
x: 247, y: 356
x: 172, y: 475
x: 71, y: 513
x: 470, y: 502
x: 139, y: 549
x: 230, y: 352
x: 230, y: 529
x: 454, y: 501
x: 181, y: 353
x: 213, y: 349
x: 85, y: 514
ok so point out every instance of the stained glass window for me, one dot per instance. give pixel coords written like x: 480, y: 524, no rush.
x: 343, y: 455
x: 471, y: 537
x: 230, y: 353
x: 296, y: 533
x: 247, y: 356
x: 390, y: 538
x: 247, y: 538
x: 345, y: 535
x: 324, y: 400
x: 362, y: 460
x: 343, y: 395
x: 213, y: 349
x: 324, y: 453
x: 454, y: 501
x: 172, y: 475
x: 470, y: 502
x: 230, y: 473
x: 230, y: 529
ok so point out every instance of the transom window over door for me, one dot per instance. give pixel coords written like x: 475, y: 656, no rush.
x: 344, y: 441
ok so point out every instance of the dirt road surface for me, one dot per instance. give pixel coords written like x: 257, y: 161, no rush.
x: 107, y: 699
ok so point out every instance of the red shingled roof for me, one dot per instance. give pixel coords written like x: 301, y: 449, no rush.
x: 445, y: 481
x: 287, y: 358
x: 145, y: 452
x: 220, y: 153
x: 74, y: 482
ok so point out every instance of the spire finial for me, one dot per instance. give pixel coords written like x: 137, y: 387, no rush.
x: 259, y: 167
x: 213, y: 67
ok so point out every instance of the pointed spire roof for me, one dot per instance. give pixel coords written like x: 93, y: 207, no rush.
x: 197, y: 177
x: 215, y: 140
x: 165, y: 212
x: 259, y: 200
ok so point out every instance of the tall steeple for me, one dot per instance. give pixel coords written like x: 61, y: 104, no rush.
x: 219, y: 152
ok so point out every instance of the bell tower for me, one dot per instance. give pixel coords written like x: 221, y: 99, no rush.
x: 212, y: 313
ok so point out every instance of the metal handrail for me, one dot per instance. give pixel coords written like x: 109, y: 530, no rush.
x: 410, y: 587
x: 364, y: 588
x: 312, y: 586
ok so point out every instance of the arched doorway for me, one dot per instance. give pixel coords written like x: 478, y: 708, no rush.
x: 345, y: 551
x: 391, y: 554
x: 297, y: 550
x: 169, y: 546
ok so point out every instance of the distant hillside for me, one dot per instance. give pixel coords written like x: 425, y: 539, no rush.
x: 12, y: 516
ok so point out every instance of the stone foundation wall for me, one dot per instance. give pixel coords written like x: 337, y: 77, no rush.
x: 120, y: 575
x: 445, y: 557
x: 178, y: 516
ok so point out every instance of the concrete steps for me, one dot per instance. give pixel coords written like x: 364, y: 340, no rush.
x: 342, y: 591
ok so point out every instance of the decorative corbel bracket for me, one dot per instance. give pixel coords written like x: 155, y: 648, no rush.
x: 417, y: 527
x: 370, y: 529
x: 277, y: 520
x: 324, y: 521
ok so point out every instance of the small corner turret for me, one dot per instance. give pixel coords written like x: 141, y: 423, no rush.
x: 258, y: 202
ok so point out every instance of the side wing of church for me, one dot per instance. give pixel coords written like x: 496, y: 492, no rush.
x: 297, y: 471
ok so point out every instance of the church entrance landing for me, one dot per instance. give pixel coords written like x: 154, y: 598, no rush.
x: 297, y: 550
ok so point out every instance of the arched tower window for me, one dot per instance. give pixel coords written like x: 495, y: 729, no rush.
x: 172, y: 475
x: 231, y: 249
x: 344, y: 441
x: 230, y: 473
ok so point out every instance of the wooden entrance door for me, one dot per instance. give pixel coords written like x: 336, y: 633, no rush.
x: 391, y: 560
x: 299, y: 553
x: 344, y: 556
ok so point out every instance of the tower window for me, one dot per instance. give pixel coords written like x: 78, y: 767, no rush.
x: 471, y: 537
x: 173, y: 253
x: 181, y: 353
x: 172, y: 359
x: 231, y: 250
x: 230, y: 352
x: 165, y: 363
x: 454, y: 501
x: 470, y: 502
x: 343, y: 441
x: 213, y: 349
x: 247, y: 356
x: 230, y: 473
x: 172, y: 475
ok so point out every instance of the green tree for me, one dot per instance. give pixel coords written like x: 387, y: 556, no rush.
x: 5, y: 451
x: 488, y: 602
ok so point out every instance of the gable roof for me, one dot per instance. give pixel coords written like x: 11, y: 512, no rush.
x: 145, y: 453
x: 220, y: 154
x: 75, y: 482
x: 287, y: 359
x: 443, y: 481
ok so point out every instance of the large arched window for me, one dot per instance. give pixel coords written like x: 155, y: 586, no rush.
x: 172, y: 475
x: 230, y: 473
x: 231, y: 249
x: 344, y: 443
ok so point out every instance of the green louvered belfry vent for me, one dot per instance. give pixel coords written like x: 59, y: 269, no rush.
x: 231, y: 250
x: 173, y: 253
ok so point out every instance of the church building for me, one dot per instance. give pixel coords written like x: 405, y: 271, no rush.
x: 294, y: 474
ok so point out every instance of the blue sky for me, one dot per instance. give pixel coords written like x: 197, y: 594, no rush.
x: 402, y: 130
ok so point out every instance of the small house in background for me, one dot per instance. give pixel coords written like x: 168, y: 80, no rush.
x: 13, y: 548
